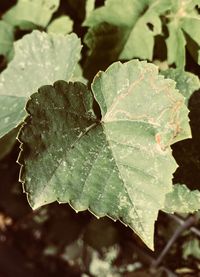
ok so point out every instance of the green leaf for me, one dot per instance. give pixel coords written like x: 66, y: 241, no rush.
x: 27, y: 14
x: 176, y: 46
x: 183, y: 18
x: 6, y: 39
x: 121, y: 166
x: 62, y: 25
x: 139, y: 20
x: 182, y: 200
x: 89, y: 7
x: 105, y: 42
x: 191, y: 248
x: 78, y: 75
x: 199, y: 57
x: 39, y: 59
x: 12, y: 112
x: 186, y: 82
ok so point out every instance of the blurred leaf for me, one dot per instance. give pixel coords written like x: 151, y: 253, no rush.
x: 139, y: 21
x: 27, y: 14
x: 90, y: 6
x: 100, y: 233
x: 183, y: 18
x: 6, y: 39
x: 62, y: 25
x: 78, y: 75
x: 7, y: 142
x: 105, y: 42
x: 191, y: 248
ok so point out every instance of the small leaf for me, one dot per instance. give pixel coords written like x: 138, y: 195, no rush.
x: 182, y: 200
x: 62, y: 25
x: 6, y: 39
x: 186, y: 82
x: 191, y: 248
x: 27, y: 14
x: 39, y: 59
x: 122, y: 166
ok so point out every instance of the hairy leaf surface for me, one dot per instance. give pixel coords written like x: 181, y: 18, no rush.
x: 140, y: 21
x: 39, y: 59
x: 121, y: 166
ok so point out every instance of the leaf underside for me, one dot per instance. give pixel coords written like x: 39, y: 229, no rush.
x: 121, y: 166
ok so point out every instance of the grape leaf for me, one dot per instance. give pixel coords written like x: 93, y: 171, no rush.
x: 27, y: 14
x: 39, y: 59
x: 186, y: 82
x: 183, y: 19
x: 182, y: 200
x: 62, y: 25
x: 6, y: 39
x: 120, y: 166
x: 139, y: 20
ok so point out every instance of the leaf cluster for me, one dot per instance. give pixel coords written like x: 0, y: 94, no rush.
x: 101, y: 140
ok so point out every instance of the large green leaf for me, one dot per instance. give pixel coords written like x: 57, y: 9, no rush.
x: 120, y: 166
x: 182, y: 200
x: 139, y: 20
x: 6, y: 39
x: 186, y: 82
x: 39, y: 59
x: 27, y: 14
x: 183, y: 19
